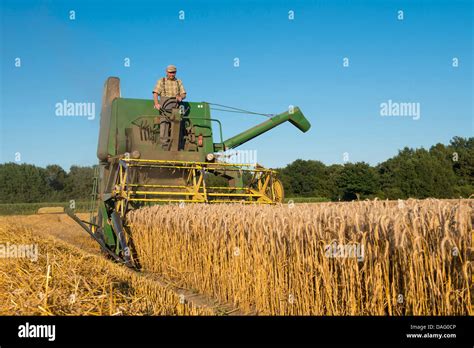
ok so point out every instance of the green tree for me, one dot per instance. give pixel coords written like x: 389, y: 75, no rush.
x: 418, y: 174
x: 56, y: 177
x: 333, y: 172
x: 305, y: 178
x: 23, y: 183
x: 78, y: 184
x: 357, y: 181
x: 461, y: 155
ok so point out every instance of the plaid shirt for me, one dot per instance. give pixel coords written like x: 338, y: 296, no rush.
x: 170, y: 88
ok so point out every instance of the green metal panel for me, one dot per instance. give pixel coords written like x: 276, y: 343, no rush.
x: 109, y: 236
x: 111, y: 91
x: 126, y: 110
x: 296, y: 118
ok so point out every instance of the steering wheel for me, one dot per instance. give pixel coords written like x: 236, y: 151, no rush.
x: 169, y: 105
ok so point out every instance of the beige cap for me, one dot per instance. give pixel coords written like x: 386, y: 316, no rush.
x: 170, y: 68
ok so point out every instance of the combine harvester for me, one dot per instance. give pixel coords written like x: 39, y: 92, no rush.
x: 135, y: 170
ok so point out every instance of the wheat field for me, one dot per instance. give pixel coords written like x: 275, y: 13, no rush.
x: 65, y: 280
x: 292, y: 259
x: 360, y: 258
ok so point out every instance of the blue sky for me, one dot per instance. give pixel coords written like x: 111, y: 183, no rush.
x: 282, y: 62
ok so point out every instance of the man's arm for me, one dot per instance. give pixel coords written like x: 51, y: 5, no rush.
x: 156, y: 103
x: 182, y: 91
x: 156, y: 93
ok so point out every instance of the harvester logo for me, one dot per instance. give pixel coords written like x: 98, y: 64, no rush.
x: 37, y: 331
x: 66, y: 108
x: 391, y: 108
x: 28, y: 251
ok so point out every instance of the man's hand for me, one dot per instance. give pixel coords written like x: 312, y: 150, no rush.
x: 157, y: 106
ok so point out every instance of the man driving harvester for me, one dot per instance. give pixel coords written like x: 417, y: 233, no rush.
x: 166, y: 88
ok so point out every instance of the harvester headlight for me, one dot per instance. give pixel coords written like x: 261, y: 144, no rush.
x: 210, y: 157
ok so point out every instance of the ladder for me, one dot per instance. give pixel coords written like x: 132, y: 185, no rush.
x: 94, y: 193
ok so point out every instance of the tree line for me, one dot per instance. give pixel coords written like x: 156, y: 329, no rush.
x: 443, y: 171
x: 27, y: 183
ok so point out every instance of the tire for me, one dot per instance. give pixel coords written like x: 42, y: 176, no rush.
x: 278, y: 190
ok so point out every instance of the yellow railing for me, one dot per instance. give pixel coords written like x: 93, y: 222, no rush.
x: 195, y: 189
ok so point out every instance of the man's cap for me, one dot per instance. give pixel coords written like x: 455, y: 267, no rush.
x: 171, y: 68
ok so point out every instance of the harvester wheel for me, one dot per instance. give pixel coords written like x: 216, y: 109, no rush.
x: 278, y: 190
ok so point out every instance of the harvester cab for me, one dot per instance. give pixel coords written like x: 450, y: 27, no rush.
x: 135, y: 170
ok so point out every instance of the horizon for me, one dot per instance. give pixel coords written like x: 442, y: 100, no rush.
x: 348, y: 162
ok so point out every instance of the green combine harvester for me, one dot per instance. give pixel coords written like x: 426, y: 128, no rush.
x: 135, y: 170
